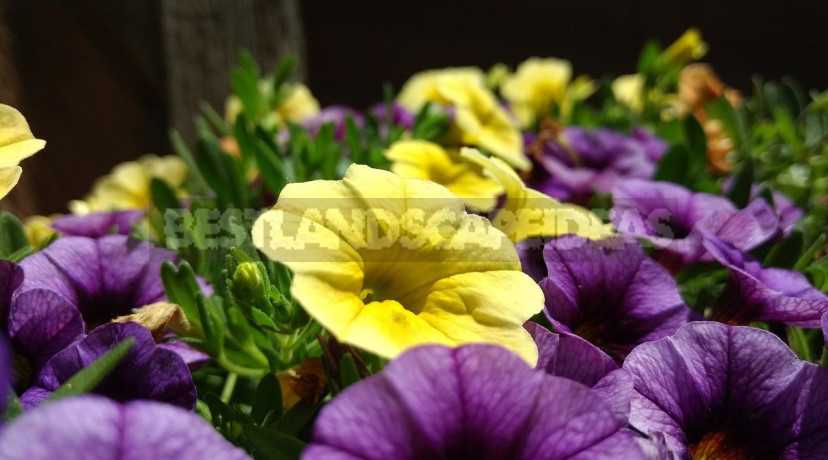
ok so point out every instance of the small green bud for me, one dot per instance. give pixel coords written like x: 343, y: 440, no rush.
x: 250, y: 283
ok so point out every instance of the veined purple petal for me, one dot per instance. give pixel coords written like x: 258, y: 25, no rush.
x: 755, y: 293
x: 147, y: 372
x: 98, y: 224
x: 676, y: 220
x: 78, y: 283
x: 725, y: 390
x: 95, y: 428
x: 610, y: 293
x: 477, y: 401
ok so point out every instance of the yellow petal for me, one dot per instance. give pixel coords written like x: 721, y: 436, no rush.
x: 388, y: 329
x: 469, y: 308
x: 16, y: 140
x: 528, y: 213
x: 536, y: 86
x: 426, y: 160
x: 8, y: 179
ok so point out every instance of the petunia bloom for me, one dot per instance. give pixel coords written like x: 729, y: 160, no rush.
x: 337, y: 115
x: 98, y: 224
x: 5, y: 373
x: 77, y: 284
x: 610, y: 293
x: 527, y: 213
x: 92, y: 427
x: 629, y: 90
x: 755, y: 293
x: 477, y: 401
x: 478, y: 118
x: 566, y: 355
x: 580, y: 162
x: 718, y: 391
x: 674, y: 219
x: 128, y: 185
x: 536, y: 86
x: 387, y: 263
x: 426, y: 160
x: 16, y: 144
x: 398, y: 115
x: 297, y: 105
x: 147, y: 372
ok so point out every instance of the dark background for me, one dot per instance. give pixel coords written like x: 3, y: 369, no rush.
x: 91, y: 75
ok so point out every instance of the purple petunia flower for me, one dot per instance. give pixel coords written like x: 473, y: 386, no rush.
x: 399, y: 115
x: 718, y: 391
x: 825, y: 329
x: 674, y: 219
x: 98, y: 224
x: 147, y: 372
x: 92, y: 427
x: 335, y: 114
x: 755, y: 293
x: 786, y: 211
x: 569, y: 356
x: 476, y: 401
x: 610, y: 293
x: 77, y: 284
x: 589, y: 161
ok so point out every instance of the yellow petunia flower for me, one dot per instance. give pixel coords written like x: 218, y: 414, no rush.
x: 528, y: 213
x: 387, y: 263
x: 689, y: 47
x: 537, y: 85
x: 479, y: 120
x: 426, y: 160
x: 629, y: 90
x: 16, y: 144
x: 128, y: 185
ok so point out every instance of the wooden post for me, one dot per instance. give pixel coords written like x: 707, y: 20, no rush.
x: 202, y: 40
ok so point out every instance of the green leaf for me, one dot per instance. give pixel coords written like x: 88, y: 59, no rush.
x: 297, y: 418
x: 182, y: 289
x: 89, y: 377
x: 267, y: 402
x: 695, y: 137
x: 799, y: 343
x: 13, y: 408
x: 245, y: 82
x: 785, y: 253
x: 163, y: 196
x: 740, y: 192
x: 674, y: 166
x: 213, y: 333
x: 732, y: 120
x: 199, y: 184
x: 649, y: 57
x: 12, y: 236
x: 348, y: 372
x: 272, y: 445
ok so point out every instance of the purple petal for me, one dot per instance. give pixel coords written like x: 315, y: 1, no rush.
x: 147, y: 372
x: 91, y: 427
x: 99, y: 224
x: 610, y: 293
x: 5, y: 373
x: 192, y: 357
x: 399, y: 115
x: 825, y: 329
x: 336, y: 115
x: 11, y: 276
x: 764, y: 294
x: 666, y: 215
x: 477, y: 401
x: 41, y: 323
x: 745, y: 229
x: 739, y: 382
x: 570, y: 356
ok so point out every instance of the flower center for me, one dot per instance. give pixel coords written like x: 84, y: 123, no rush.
x: 720, y: 445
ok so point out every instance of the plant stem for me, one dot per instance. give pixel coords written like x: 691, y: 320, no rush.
x: 229, y: 386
